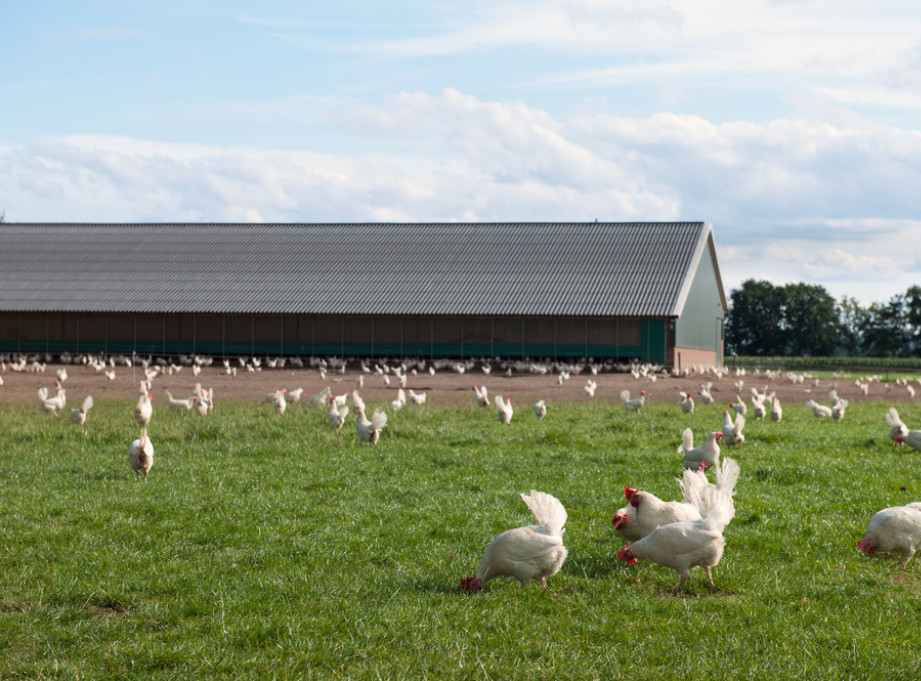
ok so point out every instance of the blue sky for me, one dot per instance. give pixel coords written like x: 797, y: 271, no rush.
x: 793, y: 126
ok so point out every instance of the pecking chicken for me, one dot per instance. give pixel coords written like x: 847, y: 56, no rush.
x: 526, y: 553
x: 732, y: 430
x: 739, y: 406
x: 181, y: 405
x: 504, y: 409
x: 53, y: 405
x: 482, y: 396
x: 540, y: 409
x: 636, y: 403
x: 708, y: 452
x: 689, y: 543
x: 140, y: 454
x: 704, y: 393
x: 897, y: 429
x: 894, y: 530
x: 369, y: 431
x: 397, y: 403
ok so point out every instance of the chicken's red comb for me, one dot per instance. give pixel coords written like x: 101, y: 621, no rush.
x: 471, y: 584
x: 625, y: 556
x: 702, y: 466
x: 618, y: 520
x: 629, y: 491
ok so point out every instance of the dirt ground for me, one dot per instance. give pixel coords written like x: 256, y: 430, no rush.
x: 446, y: 387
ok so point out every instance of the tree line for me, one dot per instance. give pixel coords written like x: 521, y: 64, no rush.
x: 804, y: 319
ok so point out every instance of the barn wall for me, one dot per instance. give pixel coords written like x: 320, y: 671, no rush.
x: 252, y: 334
x: 700, y: 325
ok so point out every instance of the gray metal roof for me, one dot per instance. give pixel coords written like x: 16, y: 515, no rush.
x: 582, y: 269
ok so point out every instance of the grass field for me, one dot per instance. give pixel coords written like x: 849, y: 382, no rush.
x: 269, y: 547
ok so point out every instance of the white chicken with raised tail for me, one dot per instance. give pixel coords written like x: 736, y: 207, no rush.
x: 140, y: 454
x: 369, y: 431
x: 590, y: 387
x: 687, y: 403
x: 732, y: 429
x: 540, y: 409
x: 897, y: 429
x: 838, y: 409
x: 504, y: 409
x: 894, y: 530
x: 418, y: 398
x: 634, y: 404
x: 78, y: 414
x: 53, y: 405
x: 776, y: 410
x: 526, y: 553
x: 708, y: 452
x: 482, y: 396
x: 689, y: 543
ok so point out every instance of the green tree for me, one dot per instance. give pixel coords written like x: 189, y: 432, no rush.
x: 810, y: 320
x: 754, y: 320
x: 852, y: 318
x: 885, y: 331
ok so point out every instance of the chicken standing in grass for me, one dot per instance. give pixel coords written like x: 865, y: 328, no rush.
x: 776, y: 410
x: 894, y: 530
x: 820, y: 411
x: 143, y: 410
x: 645, y: 511
x: 335, y: 416
x: 526, y: 553
x: 634, y: 404
x: 369, y: 431
x: 732, y: 430
x: 540, y: 409
x: 140, y: 454
x: 78, y: 414
x: 687, y: 403
x: 708, y: 452
x: 504, y: 409
x: 482, y: 396
x: 689, y: 543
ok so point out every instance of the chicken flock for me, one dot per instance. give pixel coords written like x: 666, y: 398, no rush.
x: 679, y: 534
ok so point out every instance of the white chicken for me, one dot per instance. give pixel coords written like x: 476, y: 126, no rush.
x: 335, y: 416
x: 482, y: 396
x: 645, y: 512
x: 689, y: 543
x: 357, y: 400
x: 634, y: 404
x: 732, y: 430
x: 540, y: 409
x: 897, y: 429
x: 53, y: 405
x: 143, y: 410
x: 320, y: 398
x: 776, y: 410
x: 140, y: 454
x: 590, y: 387
x: 417, y: 398
x: 504, y: 409
x: 912, y: 438
x: 894, y: 530
x: 704, y: 393
x: 281, y: 401
x: 687, y: 403
x: 369, y: 431
x: 838, y: 409
x: 739, y: 406
x: 820, y: 411
x: 708, y: 452
x: 78, y: 414
x: 397, y: 403
x: 526, y: 553
x: 294, y: 396
x: 181, y: 405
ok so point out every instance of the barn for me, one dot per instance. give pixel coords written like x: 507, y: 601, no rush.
x: 647, y: 291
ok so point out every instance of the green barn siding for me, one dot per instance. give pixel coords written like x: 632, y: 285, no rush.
x: 700, y: 323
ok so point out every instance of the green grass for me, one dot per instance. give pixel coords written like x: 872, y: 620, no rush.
x: 268, y: 547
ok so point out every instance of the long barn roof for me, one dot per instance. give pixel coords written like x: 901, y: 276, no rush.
x: 580, y: 269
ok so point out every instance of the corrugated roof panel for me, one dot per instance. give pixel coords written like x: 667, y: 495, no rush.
x: 602, y: 269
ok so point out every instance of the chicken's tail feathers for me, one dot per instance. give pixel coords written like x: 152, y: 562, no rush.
x: 715, y: 506
x: 500, y: 402
x: 687, y: 441
x: 727, y: 475
x: 379, y: 420
x: 625, y: 395
x: 43, y: 393
x: 547, y: 510
x: 88, y: 403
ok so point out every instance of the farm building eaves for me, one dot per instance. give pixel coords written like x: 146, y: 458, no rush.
x: 531, y: 269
